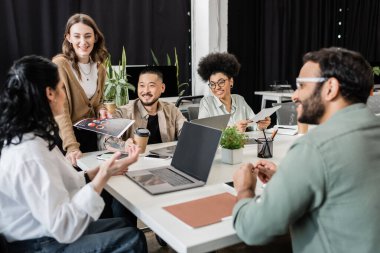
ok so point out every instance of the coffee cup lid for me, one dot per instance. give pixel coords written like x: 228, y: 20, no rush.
x: 142, y: 132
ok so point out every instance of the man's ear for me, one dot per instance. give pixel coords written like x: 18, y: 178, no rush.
x: 332, y: 89
x: 163, y: 88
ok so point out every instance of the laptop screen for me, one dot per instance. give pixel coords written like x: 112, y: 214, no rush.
x: 195, y: 150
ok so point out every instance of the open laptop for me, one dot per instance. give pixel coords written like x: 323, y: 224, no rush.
x: 217, y: 122
x: 190, y: 165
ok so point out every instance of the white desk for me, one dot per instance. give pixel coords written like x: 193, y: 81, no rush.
x: 279, y: 97
x: 178, y: 235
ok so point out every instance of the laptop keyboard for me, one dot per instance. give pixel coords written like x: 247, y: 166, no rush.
x: 170, y: 177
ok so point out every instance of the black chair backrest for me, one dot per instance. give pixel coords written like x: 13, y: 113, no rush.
x: 193, y: 99
x: 193, y: 112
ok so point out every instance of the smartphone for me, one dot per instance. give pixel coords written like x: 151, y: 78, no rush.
x: 157, y: 156
x: 108, y: 155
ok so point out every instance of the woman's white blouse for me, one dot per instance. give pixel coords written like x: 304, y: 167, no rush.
x: 41, y: 194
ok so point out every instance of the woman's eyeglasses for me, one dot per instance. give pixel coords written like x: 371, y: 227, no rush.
x: 220, y: 83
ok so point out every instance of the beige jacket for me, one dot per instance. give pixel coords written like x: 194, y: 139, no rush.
x: 77, y: 105
x: 170, y: 120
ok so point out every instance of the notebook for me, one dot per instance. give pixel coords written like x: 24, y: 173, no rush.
x: 217, y: 122
x: 184, y: 172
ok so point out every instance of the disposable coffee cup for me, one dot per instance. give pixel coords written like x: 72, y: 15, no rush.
x: 302, y: 128
x: 264, y: 148
x: 140, y: 138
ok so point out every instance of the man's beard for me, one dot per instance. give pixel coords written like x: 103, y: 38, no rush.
x: 312, y: 108
x: 148, y: 103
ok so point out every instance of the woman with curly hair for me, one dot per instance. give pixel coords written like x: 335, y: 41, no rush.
x: 219, y: 70
x: 83, y: 74
x: 45, y: 204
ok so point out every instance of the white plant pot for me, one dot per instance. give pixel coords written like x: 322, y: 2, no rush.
x: 232, y: 156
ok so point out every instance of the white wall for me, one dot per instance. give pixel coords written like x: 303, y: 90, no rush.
x: 208, y: 34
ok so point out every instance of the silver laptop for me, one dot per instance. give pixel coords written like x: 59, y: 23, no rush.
x: 217, y: 122
x: 190, y: 166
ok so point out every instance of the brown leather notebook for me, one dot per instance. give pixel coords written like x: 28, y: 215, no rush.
x: 204, y: 211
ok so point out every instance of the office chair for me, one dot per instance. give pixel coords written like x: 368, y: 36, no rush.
x: 192, y: 112
x: 194, y: 99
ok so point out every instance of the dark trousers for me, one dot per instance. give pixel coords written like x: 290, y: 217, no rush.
x: 106, y: 235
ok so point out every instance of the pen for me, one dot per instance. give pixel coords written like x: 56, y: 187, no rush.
x: 274, y: 134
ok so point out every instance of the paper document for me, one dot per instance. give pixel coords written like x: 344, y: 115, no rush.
x: 113, y: 127
x: 284, y: 129
x: 266, y: 112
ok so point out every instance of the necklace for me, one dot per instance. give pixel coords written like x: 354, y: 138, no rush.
x: 83, y: 72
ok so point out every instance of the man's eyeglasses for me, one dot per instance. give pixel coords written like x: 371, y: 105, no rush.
x: 220, y: 84
x: 301, y: 80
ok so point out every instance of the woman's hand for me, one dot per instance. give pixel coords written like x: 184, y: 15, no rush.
x: 113, y: 167
x: 242, y: 125
x: 264, y: 124
x: 72, y: 156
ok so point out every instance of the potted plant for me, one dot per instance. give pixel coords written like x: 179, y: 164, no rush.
x: 117, y: 85
x: 232, y: 143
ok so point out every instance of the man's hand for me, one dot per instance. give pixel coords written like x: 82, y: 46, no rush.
x: 73, y: 156
x: 128, y: 143
x: 245, y: 181
x: 104, y: 114
x: 265, y: 170
x: 264, y: 124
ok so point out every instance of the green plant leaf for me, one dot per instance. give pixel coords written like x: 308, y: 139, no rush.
x: 376, y: 70
x: 177, y: 65
x: 154, y: 58
x: 168, y: 60
x: 131, y: 87
x: 232, y: 138
x: 123, y: 63
x: 116, y: 85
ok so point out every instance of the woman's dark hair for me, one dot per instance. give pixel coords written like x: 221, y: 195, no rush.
x: 98, y: 54
x: 350, y: 68
x: 24, y: 106
x: 218, y: 62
